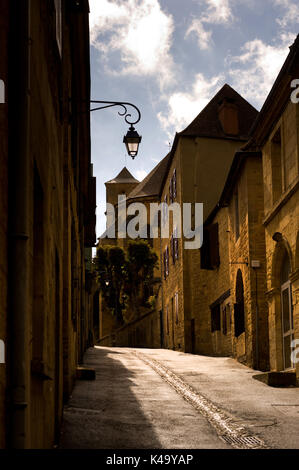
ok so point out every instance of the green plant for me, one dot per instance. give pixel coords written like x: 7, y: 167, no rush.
x: 125, y: 277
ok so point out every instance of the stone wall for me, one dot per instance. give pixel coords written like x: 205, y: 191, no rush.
x: 3, y: 208
x: 141, y: 333
x: 282, y: 228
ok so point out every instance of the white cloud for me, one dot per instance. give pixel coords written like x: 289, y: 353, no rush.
x: 184, y: 107
x: 291, y: 15
x: 216, y: 12
x: 141, y: 174
x: 140, y: 31
x: 204, y: 37
x: 253, y: 72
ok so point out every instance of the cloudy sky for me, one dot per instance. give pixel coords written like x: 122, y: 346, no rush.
x: 170, y: 57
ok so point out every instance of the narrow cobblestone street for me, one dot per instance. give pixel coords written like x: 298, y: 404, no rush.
x: 161, y: 399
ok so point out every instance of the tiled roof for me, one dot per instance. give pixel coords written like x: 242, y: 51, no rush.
x: 123, y: 177
x: 151, y: 185
x: 207, y: 123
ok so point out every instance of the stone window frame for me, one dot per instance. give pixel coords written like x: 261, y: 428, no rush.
x: 216, y: 309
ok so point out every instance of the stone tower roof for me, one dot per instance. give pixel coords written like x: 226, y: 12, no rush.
x: 152, y: 183
x: 123, y: 177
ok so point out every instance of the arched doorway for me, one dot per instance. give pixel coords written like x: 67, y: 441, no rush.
x: 287, y: 321
x: 239, y: 312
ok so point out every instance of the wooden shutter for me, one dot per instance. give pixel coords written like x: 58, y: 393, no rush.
x: 215, y: 318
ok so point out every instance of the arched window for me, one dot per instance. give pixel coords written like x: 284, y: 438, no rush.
x: 239, y: 313
x: 287, y: 321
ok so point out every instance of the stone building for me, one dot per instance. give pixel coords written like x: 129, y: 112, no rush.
x: 200, y: 161
x: 233, y: 259
x: 145, y: 330
x: 47, y: 205
x: 276, y: 135
x: 238, y: 294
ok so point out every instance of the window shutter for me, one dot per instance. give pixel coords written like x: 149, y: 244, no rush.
x: 214, y: 246
x: 215, y: 318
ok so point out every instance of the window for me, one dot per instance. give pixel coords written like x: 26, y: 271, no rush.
x: 286, y: 312
x: 209, y: 251
x: 215, y: 318
x: 58, y: 26
x: 166, y: 262
x: 220, y: 313
x: 174, y: 244
x: 276, y: 166
x: 176, y: 307
x: 172, y: 187
x: 237, y: 215
x: 225, y: 319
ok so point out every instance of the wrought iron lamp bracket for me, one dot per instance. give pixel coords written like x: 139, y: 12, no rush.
x: 124, y: 105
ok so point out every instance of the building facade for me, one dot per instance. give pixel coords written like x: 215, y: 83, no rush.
x: 276, y: 135
x: 47, y: 215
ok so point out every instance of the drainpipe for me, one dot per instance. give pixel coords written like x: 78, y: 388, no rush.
x: 18, y: 255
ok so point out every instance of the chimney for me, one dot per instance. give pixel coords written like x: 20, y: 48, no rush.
x: 228, y: 116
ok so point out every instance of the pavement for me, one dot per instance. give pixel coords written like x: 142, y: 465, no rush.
x: 162, y: 399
